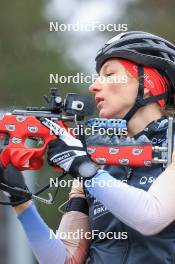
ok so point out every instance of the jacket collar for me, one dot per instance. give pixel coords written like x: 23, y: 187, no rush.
x: 155, y: 132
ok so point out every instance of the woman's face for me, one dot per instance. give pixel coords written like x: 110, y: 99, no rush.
x: 115, y: 90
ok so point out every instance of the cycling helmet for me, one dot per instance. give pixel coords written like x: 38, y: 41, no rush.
x: 145, y: 49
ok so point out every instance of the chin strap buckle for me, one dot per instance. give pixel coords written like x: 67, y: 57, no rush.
x: 140, y: 102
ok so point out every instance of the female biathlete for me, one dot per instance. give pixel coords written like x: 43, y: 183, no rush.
x: 130, y: 221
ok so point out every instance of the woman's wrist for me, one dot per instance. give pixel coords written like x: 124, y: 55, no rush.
x: 20, y: 208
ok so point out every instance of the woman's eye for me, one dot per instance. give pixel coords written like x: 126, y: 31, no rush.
x: 108, y: 74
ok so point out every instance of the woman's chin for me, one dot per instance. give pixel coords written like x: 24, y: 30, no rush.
x: 105, y: 114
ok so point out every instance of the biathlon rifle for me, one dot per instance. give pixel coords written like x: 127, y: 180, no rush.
x: 20, y: 126
x: 25, y: 134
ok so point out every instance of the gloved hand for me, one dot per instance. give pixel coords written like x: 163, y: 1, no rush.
x: 12, y: 184
x: 68, y: 153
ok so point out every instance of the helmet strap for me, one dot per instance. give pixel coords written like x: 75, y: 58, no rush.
x: 139, y: 99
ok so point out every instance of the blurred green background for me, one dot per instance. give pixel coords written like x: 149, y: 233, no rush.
x: 29, y: 53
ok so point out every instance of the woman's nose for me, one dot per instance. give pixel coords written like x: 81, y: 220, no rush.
x: 95, y: 87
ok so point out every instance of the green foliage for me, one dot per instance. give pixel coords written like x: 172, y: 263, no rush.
x: 153, y: 16
x: 27, y: 55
